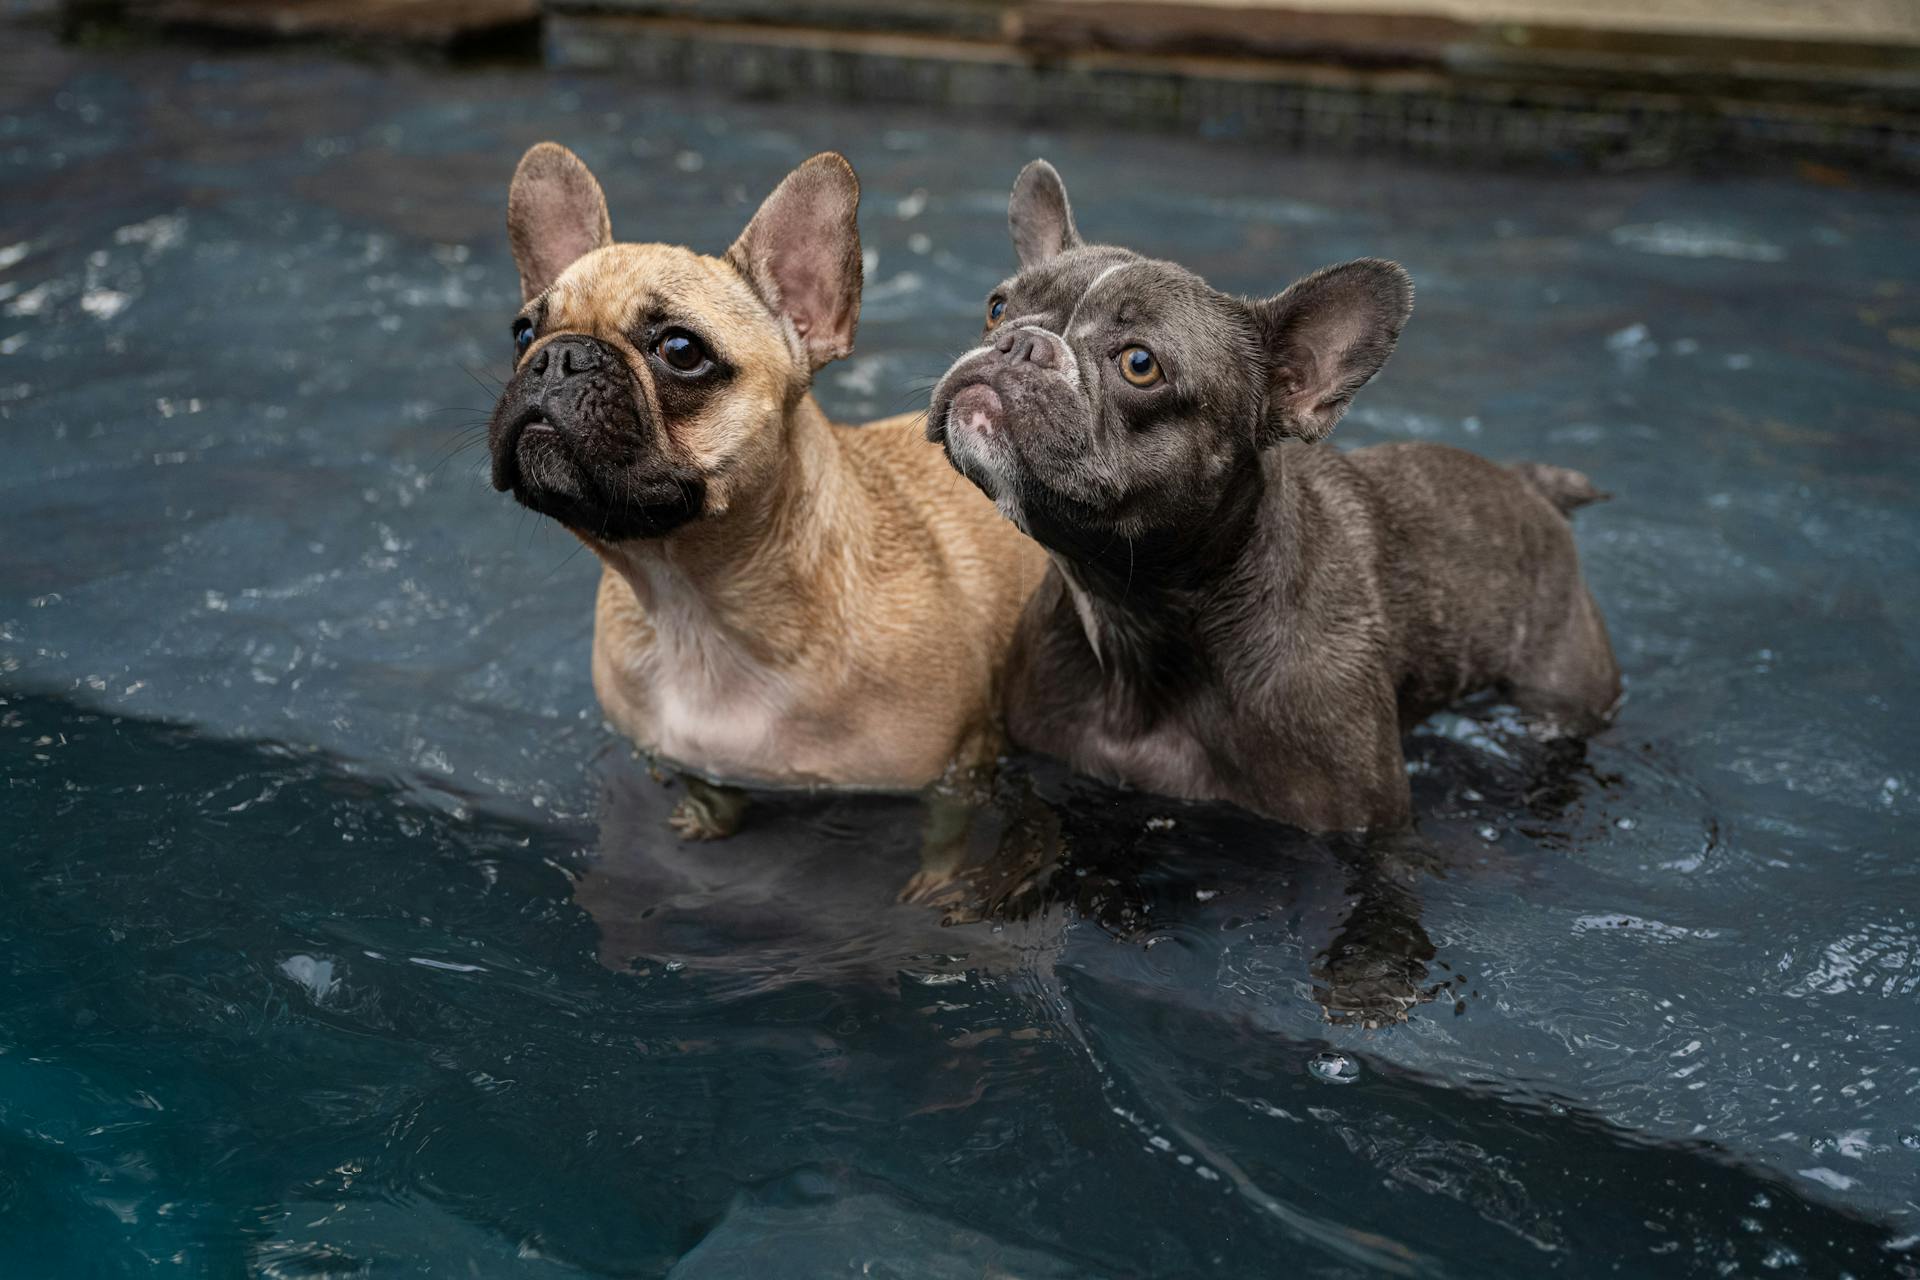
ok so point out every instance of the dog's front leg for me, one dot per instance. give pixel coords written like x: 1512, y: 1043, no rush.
x: 1375, y: 968
x: 1349, y: 777
x: 943, y: 847
x: 952, y: 804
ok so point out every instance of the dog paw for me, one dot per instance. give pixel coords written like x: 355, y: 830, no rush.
x: 699, y: 820
x: 691, y: 821
x: 931, y: 886
x: 708, y: 812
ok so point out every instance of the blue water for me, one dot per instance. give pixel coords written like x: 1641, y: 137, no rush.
x: 338, y: 937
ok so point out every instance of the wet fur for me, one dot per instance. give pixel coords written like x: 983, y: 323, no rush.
x: 1236, y: 610
x: 822, y: 605
x: 1372, y: 588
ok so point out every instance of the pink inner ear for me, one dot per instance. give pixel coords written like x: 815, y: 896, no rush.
x: 1330, y: 333
x: 811, y: 297
x: 802, y: 251
x: 556, y: 215
x: 1301, y: 384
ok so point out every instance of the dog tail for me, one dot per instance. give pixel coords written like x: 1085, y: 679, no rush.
x: 1566, y: 489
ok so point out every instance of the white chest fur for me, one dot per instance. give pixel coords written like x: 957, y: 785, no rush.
x: 672, y: 676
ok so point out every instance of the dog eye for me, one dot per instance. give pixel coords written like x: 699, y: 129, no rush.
x: 1138, y: 366
x: 996, y: 307
x: 681, y: 351
x: 522, y: 337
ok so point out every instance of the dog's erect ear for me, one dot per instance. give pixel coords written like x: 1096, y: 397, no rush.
x: 556, y: 214
x: 801, y: 253
x: 1039, y: 216
x: 1324, y: 337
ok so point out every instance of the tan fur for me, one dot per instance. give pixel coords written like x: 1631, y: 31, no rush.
x: 840, y: 613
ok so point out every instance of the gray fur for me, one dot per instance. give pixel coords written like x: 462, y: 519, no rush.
x: 1238, y: 611
x: 1039, y: 215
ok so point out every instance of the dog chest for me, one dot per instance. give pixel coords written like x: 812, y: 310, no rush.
x: 1166, y: 758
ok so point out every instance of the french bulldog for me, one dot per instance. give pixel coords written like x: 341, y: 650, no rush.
x: 783, y: 601
x: 1235, y: 609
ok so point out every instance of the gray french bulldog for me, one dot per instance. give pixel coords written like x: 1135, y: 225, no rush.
x: 1236, y: 610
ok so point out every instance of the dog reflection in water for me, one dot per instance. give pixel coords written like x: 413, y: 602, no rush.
x: 811, y: 891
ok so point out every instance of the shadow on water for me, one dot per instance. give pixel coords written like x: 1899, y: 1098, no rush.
x: 265, y: 1012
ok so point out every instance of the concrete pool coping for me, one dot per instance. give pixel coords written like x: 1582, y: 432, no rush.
x: 1422, y: 86
x: 1565, y: 82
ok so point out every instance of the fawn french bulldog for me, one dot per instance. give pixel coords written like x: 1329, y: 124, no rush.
x: 1236, y: 610
x: 783, y: 601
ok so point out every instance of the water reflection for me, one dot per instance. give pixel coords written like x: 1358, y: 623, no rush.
x: 270, y: 1011
x: 1037, y: 850
x: 1374, y: 971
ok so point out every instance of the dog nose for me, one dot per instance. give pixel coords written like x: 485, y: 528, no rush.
x: 1030, y: 346
x: 566, y: 357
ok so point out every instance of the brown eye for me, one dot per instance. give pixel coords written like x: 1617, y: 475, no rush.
x: 681, y: 351
x: 996, y: 307
x: 1138, y: 366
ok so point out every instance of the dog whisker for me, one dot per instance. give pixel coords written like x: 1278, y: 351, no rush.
x: 613, y: 450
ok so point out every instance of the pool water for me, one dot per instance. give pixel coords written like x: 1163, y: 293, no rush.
x: 339, y: 937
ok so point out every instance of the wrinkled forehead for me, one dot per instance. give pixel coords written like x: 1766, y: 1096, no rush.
x: 1054, y: 287
x: 1101, y: 283
x: 614, y: 287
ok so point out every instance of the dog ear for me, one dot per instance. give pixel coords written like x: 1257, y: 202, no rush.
x: 556, y: 214
x: 801, y: 254
x: 1039, y: 216
x: 1324, y: 338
